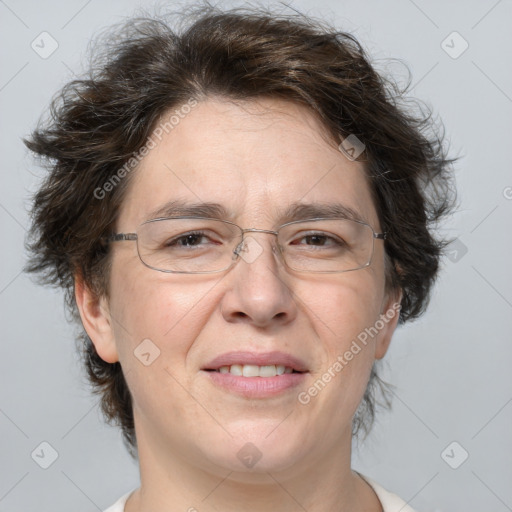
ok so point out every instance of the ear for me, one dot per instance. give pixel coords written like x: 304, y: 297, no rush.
x: 96, y: 319
x: 390, y: 312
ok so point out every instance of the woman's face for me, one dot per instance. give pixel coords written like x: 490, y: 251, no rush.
x: 255, y: 159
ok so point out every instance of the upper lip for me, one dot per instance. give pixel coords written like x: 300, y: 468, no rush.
x: 259, y: 359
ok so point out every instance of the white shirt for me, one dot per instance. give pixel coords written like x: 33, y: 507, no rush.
x: 390, y: 502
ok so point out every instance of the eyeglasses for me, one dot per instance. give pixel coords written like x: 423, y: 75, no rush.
x: 199, y: 245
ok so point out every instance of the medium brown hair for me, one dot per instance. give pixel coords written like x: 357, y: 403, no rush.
x: 144, y: 68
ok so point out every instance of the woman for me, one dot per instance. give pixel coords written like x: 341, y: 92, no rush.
x: 240, y: 215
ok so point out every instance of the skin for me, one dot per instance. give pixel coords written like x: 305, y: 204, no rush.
x: 255, y: 158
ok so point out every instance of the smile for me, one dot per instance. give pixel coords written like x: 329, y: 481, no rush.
x: 252, y: 370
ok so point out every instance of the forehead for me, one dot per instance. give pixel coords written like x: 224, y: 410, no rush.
x: 260, y: 161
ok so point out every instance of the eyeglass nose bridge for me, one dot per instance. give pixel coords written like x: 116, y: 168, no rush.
x: 240, y: 246
x: 248, y: 230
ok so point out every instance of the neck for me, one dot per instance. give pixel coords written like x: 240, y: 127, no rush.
x: 322, y: 483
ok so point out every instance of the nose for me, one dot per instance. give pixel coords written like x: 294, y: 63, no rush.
x: 261, y: 292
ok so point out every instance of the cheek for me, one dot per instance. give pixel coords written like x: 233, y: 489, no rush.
x: 169, y: 311
x: 343, y: 307
x: 156, y: 324
x: 343, y: 312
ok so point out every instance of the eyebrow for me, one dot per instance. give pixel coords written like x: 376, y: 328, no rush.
x: 180, y: 208
x: 295, y: 211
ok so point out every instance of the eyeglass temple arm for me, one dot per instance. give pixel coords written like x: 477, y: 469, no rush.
x: 119, y: 237
x: 381, y: 236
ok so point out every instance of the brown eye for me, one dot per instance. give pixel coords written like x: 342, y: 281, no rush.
x: 188, y: 240
x: 319, y: 240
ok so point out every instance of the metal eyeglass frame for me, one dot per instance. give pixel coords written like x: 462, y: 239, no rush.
x: 120, y: 237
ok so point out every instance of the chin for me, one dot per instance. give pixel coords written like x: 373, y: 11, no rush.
x: 257, y: 449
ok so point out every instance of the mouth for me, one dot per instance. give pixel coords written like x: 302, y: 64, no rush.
x: 254, y: 364
x: 252, y: 370
x: 256, y: 375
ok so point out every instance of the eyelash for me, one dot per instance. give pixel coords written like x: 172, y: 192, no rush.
x: 176, y: 241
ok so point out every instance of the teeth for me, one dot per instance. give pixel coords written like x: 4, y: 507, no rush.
x: 266, y: 371
x: 252, y: 370
x: 236, y: 369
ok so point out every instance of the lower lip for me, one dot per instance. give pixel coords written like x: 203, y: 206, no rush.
x: 257, y: 387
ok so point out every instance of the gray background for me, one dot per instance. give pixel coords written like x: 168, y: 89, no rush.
x: 451, y: 369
